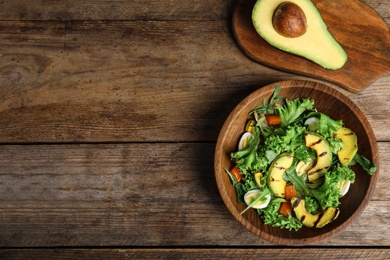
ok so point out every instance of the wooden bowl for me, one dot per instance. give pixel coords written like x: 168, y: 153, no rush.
x: 330, y: 102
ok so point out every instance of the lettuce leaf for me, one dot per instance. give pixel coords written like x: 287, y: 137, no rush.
x: 271, y: 216
x: 288, y: 139
x: 293, y: 109
x: 311, y: 205
x: 326, y: 127
x: 248, y: 159
x: 328, y: 194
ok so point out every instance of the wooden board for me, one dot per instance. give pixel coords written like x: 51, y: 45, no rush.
x: 138, y: 195
x: 359, y: 29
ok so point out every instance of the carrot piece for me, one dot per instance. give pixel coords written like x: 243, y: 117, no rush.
x: 235, y: 171
x: 285, y: 208
x: 273, y: 119
x: 289, y: 192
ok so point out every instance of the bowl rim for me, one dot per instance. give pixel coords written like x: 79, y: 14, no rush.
x: 218, y: 169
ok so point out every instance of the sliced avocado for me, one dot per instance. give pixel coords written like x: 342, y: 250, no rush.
x: 275, y: 180
x: 324, y: 155
x: 313, y: 42
x: 313, y: 220
x: 303, y: 167
x: 328, y: 216
x: 307, y: 219
x: 350, y: 147
x: 257, y: 176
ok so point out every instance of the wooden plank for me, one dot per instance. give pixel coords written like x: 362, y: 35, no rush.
x: 136, y: 195
x: 125, y: 86
x: 88, y: 81
x: 118, y: 223
x: 117, y: 10
x: 134, y: 10
x: 202, y: 253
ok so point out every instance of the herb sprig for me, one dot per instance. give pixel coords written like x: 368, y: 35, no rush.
x: 268, y: 107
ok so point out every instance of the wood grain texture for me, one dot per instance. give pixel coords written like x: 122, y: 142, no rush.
x: 119, y: 10
x: 76, y: 90
x: 137, y: 195
x: 202, y: 253
x: 109, y: 113
x: 168, y: 10
x: 358, y: 28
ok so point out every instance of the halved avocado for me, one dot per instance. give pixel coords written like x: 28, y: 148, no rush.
x: 315, y: 44
x: 275, y: 180
x: 324, y: 155
x: 350, y: 147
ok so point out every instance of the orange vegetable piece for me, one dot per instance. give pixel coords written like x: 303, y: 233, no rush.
x: 289, y: 192
x: 285, y: 208
x: 273, y: 119
x: 235, y: 171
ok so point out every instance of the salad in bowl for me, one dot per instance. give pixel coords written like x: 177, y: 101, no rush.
x: 295, y: 164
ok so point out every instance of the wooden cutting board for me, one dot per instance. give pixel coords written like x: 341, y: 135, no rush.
x: 358, y: 28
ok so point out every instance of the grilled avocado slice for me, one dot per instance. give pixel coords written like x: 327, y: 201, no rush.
x: 324, y: 155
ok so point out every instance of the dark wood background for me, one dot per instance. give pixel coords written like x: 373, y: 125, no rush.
x: 109, y: 114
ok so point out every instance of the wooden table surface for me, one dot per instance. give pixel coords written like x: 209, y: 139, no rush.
x: 109, y: 115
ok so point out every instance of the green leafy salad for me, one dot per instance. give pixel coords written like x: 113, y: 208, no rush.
x: 293, y: 163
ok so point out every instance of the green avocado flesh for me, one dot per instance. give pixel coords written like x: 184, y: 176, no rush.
x: 316, y: 44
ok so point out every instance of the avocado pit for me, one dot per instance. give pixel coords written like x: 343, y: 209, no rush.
x: 289, y: 20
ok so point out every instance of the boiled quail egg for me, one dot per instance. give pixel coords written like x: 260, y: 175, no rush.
x: 252, y: 195
x: 244, y: 141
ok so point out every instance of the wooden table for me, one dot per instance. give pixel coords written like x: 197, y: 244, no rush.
x: 109, y: 115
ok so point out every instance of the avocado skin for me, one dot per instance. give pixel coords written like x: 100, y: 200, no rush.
x: 317, y: 44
